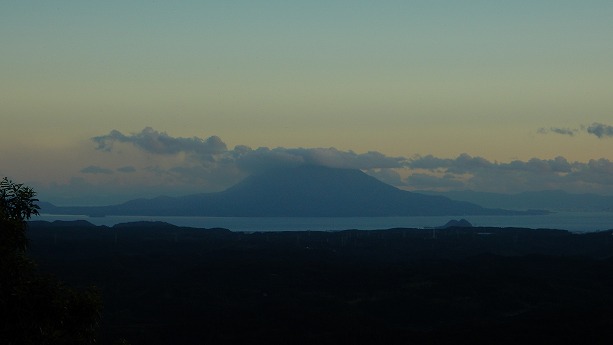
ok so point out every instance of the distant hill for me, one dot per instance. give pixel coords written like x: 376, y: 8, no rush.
x: 462, y: 223
x: 305, y: 191
x: 553, y: 200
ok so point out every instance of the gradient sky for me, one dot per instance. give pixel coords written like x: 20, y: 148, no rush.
x: 500, y: 81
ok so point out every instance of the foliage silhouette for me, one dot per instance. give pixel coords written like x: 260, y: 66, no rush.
x: 35, y: 308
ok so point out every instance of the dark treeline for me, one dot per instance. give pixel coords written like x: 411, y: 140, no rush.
x: 163, y: 284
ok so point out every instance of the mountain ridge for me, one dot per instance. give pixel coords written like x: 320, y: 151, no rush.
x: 304, y: 191
x: 552, y: 200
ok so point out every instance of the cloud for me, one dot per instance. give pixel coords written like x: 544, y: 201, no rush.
x: 562, y: 131
x: 556, y: 165
x: 600, y: 130
x: 462, y: 164
x: 92, y: 169
x: 477, y: 173
x: 433, y: 182
x: 389, y: 176
x: 152, y: 141
x: 466, y: 163
x: 212, y: 153
x: 429, y: 162
x: 127, y: 169
x: 265, y: 158
x: 205, y: 165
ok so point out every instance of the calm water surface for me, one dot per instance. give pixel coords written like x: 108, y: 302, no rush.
x: 573, y: 221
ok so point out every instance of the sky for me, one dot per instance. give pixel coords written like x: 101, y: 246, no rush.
x: 105, y: 101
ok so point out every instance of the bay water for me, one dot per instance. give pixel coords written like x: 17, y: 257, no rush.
x: 572, y: 221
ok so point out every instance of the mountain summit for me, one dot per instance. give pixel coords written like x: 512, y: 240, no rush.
x: 304, y: 191
x: 321, y: 191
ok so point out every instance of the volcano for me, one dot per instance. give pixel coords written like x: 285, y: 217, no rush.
x: 304, y: 191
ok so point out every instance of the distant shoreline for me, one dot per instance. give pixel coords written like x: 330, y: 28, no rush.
x: 571, y: 221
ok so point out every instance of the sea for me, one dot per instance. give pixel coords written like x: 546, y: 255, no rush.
x: 578, y: 222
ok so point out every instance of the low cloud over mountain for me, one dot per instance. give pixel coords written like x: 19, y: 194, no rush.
x: 215, y: 150
x: 476, y: 173
x: 151, y: 162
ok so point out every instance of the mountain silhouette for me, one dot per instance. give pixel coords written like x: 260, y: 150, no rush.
x: 462, y: 223
x: 304, y: 191
x: 552, y: 200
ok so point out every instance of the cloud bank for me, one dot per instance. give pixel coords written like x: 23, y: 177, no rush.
x: 599, y: 130
x: 214, y: 150
x: 150, y: 163
x: 152, y: 141
x: 476, y: 173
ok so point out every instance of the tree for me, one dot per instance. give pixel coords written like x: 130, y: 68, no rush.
x: 17, y: 205
x: 36, y: 308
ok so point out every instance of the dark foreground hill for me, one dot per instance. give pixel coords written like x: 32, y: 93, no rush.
x: 305, y: 191
x: 164, y: 284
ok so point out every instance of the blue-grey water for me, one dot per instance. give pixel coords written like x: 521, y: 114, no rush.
x: 572, y: 221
